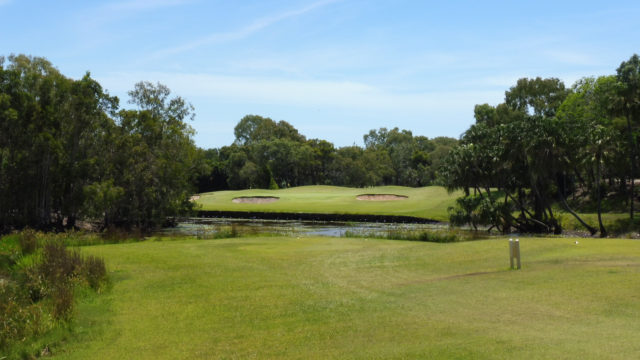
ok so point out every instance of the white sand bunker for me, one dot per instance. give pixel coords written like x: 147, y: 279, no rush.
x: 194, y: 198
x: 255, y: 199
x: 381, y: 197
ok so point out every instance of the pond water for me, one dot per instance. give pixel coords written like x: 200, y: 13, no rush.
x: 210, y: 227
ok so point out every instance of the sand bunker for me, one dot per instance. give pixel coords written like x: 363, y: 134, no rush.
x: 381, y: 197
x: 194, y: 198
x: 255, y: 199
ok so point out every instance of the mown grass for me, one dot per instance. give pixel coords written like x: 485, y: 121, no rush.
x: 344, y: 298
x: 428, y: 202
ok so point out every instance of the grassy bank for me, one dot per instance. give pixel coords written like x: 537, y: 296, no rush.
x: 428, y: 202
x: 284, y: 297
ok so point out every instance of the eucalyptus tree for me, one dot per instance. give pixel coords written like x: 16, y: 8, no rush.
x: 347, y: 168
x: 541, y: 97
x: 254, y: 128
x: 628, y: 76
x: 156, y: 161
x: 324, y: 154
x: 51, y: 132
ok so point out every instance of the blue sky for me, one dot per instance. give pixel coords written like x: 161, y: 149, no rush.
x: 333, y: 68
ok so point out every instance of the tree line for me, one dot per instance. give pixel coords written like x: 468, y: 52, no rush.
x: 270, y: 154
x: 548, y: 148
x: 69, y: 152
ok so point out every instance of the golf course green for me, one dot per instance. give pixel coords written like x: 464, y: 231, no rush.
x: 428, y: 202
x: 354, y: 298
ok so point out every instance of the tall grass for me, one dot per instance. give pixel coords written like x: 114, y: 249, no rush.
x: 224, y: 232
x: 237, y: 231
x: 38, y: 278
x: 408, y: 235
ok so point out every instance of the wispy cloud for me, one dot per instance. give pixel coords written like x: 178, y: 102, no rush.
x: 5, y: 2
x: 343, y: 94
x: 244, y: 32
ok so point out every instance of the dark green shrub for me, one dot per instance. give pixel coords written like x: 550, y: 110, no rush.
x: 20, y: 318
x: 438, y: 237
x: 623, y: 226
x: 62, y: 299
x: 34, y: 284
x: 58, y: 263
x: 95, y: 271
x: 272, y: 184
x: 28, y: 240
x: 39, y: 288
x: 6, y: 262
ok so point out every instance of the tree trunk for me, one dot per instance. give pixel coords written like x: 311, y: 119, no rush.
x: 591, y: 229
x: 603, y: 231
x: 632, y: 159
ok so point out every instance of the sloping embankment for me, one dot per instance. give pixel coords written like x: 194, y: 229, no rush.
x: 314, y: 217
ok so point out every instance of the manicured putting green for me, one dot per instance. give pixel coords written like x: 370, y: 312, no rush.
x: 340, y: 298
x: 427, y: 202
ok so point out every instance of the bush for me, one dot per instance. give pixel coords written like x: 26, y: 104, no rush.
x: 20, y: 318
x: 623, y: 226
x: 272, y: 184
x: 95, y: 271
x: 38, y: 276
x: 28, y: 241
x: 62, y: 299
x: 58, y: 263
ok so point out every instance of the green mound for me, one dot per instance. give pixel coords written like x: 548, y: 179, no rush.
x: 427, y: 202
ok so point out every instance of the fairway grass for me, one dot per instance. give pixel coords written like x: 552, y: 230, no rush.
x: 345, y: 298
x: 428, y: 202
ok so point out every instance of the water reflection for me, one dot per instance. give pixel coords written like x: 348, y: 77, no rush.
x: 209, y: 227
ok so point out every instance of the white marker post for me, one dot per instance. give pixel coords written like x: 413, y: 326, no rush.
x: 510, y: 253
x: 514, y: 252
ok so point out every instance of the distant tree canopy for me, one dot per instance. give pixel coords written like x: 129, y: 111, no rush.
x: 68, y: 152
x: 269, y: 154
x: 547, y: 147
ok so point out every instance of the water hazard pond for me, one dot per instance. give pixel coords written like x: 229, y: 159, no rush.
x: 210, y: 227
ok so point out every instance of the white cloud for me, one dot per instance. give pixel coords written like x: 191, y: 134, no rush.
x: 244, y: 32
